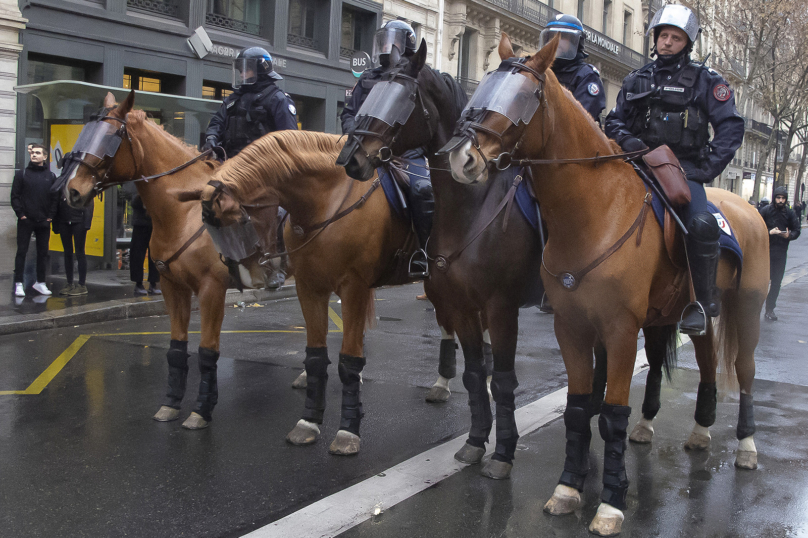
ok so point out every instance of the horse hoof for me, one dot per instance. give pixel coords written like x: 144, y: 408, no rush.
x: 565, y: 500
x: 698, y: 441
x: 438, y: 394
x: 195, y: 422
x: 745, y: 459
x: 642, y: 433
x: 304, y: 433
x: 300, y: 382
x: 469, y: 454
x: 345, y: 444
x: 166, y: 414
x: 498, y: 470
x: 608, y: 521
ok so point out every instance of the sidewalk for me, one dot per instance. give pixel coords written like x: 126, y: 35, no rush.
x: 110, y: 297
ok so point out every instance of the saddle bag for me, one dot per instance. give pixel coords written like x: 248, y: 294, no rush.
x: 665, y: 167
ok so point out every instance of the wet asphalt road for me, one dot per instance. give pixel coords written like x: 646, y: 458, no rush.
x: 84, y: 458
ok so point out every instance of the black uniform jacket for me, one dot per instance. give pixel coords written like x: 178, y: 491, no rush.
x: 583, y: 81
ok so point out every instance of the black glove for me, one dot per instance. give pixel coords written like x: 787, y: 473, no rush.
x: 633, y: 144
x: 210, y: 142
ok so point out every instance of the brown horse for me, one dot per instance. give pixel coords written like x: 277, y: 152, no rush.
x: 589, y: 207
x: 343, y: 238
x: 191, y: 264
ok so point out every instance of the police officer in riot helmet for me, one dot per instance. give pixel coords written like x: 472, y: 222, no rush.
x: 255, y: 108
x: 393, y: 41
x: 671, y: 101
x: 580, y: 78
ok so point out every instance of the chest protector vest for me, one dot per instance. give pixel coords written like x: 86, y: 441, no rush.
x: 248, y: 120
x: 668, y: 113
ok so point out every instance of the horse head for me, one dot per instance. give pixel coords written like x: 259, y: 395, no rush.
x: 385, y: 124
x: 503, y: 118
x: 103, y: 154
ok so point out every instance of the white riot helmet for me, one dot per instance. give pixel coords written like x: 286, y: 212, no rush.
x: 675, y: 15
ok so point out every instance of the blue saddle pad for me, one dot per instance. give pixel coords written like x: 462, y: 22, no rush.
x: 728, y: 241
x: 393, y: 194
x: 528, y: 206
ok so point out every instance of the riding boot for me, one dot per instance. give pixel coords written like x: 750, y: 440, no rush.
x: 703, y: 252
x: 350, y: 370
x: 208, y: 384
x: 422, y: 208
x: 177, y: 372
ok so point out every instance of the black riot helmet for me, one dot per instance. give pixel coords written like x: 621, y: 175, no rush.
x: 251, y: 65
x: 571, y: 36
x: 394, y: 37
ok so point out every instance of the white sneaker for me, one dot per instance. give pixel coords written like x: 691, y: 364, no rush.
x: 42, y: 288
x: 19, y: 290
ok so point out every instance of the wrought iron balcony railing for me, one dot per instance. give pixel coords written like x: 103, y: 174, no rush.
x: 220, y: 21
x: 345, y: 52
x: 168, y: 8
x: 302, y: 41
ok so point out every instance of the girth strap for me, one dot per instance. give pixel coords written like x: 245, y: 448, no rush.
x: 162, y: 266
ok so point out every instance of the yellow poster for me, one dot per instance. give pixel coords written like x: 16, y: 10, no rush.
x: 63, y: 136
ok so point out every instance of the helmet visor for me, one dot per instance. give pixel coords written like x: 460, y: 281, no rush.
x: 567, y: 45
x: 387, y: 38
x: 388, y: 101
x: 511, y: 94
x: 98, y: 138
x: 245, y: 71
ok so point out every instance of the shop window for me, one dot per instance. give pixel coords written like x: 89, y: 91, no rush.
x: 357, y: 31
x: 308, y: 20
x: 142, y: 82
x: 215, y: 90
x: 310, y: 113
x: 237, y: 15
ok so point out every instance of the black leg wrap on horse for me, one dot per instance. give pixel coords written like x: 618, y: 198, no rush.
x: 488, y: 359
x: 576, y: 419
x: 653, y: 387
x: 316, y: 380
x: 746, y: 417
x: 706, y: 401
x: 447, y: 362
x: 177, y: 372
x: 208, y: 384
x: 479, y: 404
x: 349, y: 370
x: 503, y: 385
x: 612, y: 424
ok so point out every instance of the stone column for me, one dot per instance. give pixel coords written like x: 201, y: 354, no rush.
x: 11, y: 24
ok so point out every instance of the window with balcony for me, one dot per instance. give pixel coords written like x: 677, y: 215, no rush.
x: 236, y: 15
x: 166, y: 8
x: 607, y: 12
x: 308, y: 24
x: 627, y: 20
x: 357, y: 31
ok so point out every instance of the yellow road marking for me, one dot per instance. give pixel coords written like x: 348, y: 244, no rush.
x: 335, y: 318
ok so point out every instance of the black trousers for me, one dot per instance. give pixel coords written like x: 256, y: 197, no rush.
x: 137, y: 254
x: 41, y: 232
x: 74, y: 233
x: 777, y: 268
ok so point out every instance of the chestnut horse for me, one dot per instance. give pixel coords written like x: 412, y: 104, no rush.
x: 589, y: 206
x: 343, y: 239
x: 487, y: 281
x: 193, y: 264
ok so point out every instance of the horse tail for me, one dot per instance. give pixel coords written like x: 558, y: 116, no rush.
x: 726, y: 338
x: 671, y: 358
x: 370, y: 312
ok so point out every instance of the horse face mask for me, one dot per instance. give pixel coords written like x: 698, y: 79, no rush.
x: 505, y: 92
x: 389, y: 102
x: 237, y: 241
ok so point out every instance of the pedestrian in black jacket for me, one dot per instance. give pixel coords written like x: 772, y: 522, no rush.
x: 35, y: 206
x: 783, y: 226
x: 72, y: 224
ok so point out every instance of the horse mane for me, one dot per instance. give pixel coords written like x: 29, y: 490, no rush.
x: 278, y: 157
x: 449, y: 89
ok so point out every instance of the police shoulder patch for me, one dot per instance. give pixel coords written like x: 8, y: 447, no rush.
x: 292, y: 109
x: 722, y: 92
x: 593, y: 89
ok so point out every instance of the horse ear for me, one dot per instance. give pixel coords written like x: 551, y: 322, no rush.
x: 543, y: 59
x: 419, y: 59
x: 109, y: 100
x: 186, y: 196
x: 505, y: 48
x: 126, y: 106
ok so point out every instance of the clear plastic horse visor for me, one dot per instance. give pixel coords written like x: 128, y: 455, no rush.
x: 567, y: 44
x: 237, y: 241
x: 388, y: 101
x: 387, y: 38
x: 98, y: 138
x: 245, y: 71
x: 511, y: 94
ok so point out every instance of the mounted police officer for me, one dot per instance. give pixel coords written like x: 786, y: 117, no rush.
x: 255, y: 108
x: 580, y: 78
x: 394, y: 40
x: 671, y: 101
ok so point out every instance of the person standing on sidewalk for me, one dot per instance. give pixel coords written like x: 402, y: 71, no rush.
x: 783, y: 226
x: 35, y: 206
x: 141, y: 235
x: 72, y: 224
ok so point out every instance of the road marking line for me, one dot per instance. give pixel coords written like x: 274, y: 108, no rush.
x: 335, y: 318
x: 350, y: 507
x: 53, y: 370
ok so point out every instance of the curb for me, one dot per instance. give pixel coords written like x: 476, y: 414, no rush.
x: 123, y: 309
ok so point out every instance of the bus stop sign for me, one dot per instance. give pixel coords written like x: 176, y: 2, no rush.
x: 359, y: 62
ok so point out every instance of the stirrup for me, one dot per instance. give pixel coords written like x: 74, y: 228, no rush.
x: 419, y: 264
x: 545, y: 305
x: 694, y: 330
